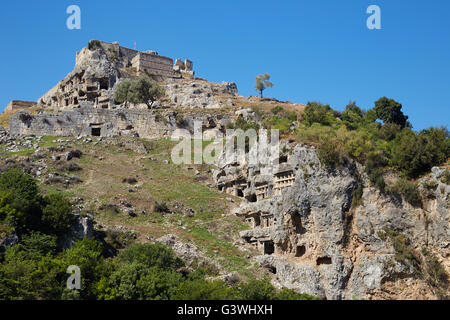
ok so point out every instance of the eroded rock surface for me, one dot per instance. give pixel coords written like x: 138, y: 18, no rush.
x: 313, y: 240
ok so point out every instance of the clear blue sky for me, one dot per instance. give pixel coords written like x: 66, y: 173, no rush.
x: 315, y: 50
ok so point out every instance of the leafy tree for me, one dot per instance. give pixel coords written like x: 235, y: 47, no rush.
x: 57, y: 217
x: 122, y: 90
x: 416, y: 154
x: 7, y: 213
x: 24, y: 198
x: 257, y: 290
x: 204, y: 290
x: 277, y: 109
x: 316, y: 112
x: 141, y: 90
x: 353, y: 116
x: 390, y: 111
x: 262, y: 83
x: 389, y: 131
x: 151, y: 255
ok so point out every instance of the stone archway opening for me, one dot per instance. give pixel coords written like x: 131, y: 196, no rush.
x: 96, y: 131
x: 269, y: 247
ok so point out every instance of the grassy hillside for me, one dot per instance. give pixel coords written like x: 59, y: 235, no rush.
x: 159, y: 183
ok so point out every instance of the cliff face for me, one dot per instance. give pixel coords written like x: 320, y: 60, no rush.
x: 323, y: 232
x: 91, y: 81
x: 315, y: 236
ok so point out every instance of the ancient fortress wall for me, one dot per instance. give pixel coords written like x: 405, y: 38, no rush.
x: 94, y: 122
x: 153, y: 64
x: 18, y: 105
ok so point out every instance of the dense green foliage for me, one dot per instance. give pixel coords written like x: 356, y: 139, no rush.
x: 409, y: 191
x: 355, y: 134
x: 424, y: 264
x: 141, y: 90
x: 93, y: 44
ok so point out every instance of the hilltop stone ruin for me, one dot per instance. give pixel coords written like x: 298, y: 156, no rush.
x: 302, y: 219
x: 100, y: 66
x: 83, y: 102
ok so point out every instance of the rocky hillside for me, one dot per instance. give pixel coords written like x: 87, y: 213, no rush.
x: 357, y: 209
x: 333, y: 235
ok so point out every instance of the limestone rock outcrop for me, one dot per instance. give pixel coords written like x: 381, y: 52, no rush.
x: 312, y: 239
x: 83, y: 227
x: 187, y: 251
x: 201, y: 94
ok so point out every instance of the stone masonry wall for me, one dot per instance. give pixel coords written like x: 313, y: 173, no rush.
x: 17, y: 105
x: 94, y: 122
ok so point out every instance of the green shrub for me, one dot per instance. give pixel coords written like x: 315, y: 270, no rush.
x: 389, y: 131
x: 316, y: 112
x: 204, y: 290
x: 282, y: 124
x: 88, y: 256
x: 27, y: 275
x: 357, y: 195
x: 389, y: 111
x: 24, y: 198
x: 40, y: 244
x: 256, y: 290
x: 353, y: 116
x: 161, y: 208
x: 151, y: 255
x: 404, y: 253
x: 417, y: 154
x: 243, y: 124
x: 409, y: 191
x: 141, y: 90
x: 136, y: 281
x: 437, y: 275
x: 376, y: 161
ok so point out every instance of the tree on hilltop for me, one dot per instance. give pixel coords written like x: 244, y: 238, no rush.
x: 141, y: 90
x: 262, y: 83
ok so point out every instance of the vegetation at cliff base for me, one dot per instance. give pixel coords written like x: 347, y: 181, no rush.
x: 35, y: 267
x: 262, y: 83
